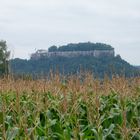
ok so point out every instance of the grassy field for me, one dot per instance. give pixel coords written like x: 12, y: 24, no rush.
x: 72, y: 108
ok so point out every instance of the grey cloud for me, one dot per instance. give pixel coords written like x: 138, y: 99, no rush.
x: 38, y: 24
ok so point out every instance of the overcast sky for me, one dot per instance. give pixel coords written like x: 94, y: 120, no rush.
x: 27, y: 25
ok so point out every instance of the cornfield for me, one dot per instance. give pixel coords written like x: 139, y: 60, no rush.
x: 70, y: 108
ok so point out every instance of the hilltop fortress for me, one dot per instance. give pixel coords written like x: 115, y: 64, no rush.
x: 74, y: 50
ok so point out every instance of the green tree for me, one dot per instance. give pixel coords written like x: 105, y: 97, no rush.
x: 4, y: 57
x: 52, y: 49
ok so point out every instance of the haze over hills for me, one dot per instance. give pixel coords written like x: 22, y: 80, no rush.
x: 138, y: 67
x: 98, y: 58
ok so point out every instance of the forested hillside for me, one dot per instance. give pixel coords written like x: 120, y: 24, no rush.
x: 99, y: 66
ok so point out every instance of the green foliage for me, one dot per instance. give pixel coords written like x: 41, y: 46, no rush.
x: 4, y: 55
x: 52, y: 49
x: 81, y: 47
x: 27, y: 118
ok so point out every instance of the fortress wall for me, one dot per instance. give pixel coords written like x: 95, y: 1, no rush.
x: 98, y: 53
x: 71, y: 53
x: 95, y: 53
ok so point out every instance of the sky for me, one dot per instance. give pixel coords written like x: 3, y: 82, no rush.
x: 28, y: 25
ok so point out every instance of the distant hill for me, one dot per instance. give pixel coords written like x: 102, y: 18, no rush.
x: 100, y: 66
x: 138, y: 67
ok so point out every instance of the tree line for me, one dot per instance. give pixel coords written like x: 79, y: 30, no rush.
x: 87, y: 46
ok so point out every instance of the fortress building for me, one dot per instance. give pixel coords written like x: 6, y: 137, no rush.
x: 70, y: 51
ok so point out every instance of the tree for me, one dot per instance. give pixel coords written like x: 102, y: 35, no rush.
x: 52, y: 49
x: 4, y: 57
